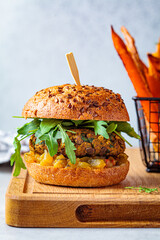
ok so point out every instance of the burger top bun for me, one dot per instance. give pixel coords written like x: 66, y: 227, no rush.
x: 76, y: 103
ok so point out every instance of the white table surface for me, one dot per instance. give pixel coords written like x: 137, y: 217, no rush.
x: 11, y: 233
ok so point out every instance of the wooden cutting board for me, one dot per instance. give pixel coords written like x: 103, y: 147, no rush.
x: 31, y: 204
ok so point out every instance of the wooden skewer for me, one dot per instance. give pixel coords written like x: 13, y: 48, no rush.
x: 73, y: 67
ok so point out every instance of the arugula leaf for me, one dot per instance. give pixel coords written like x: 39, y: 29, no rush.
x: 133, y: 134
x: 38, y: 134
x: 69, y: 146
x: 28, y: 127
x: 67, y: 123
x: 91, y: 122
x: 47, y: 124
x: 23, y: 132
x: 100, y: 129
x: 144, y: 189
x: 126, y: 128
x: 111, y: 128
x: 77, y: 122
x: 50, y: 130
x: 16, y: 157
x: 25, y: 136
x: 23, y: 117
x: 58, y: 134
x: 87, y: 122
x: 51, y: 142
x: 67, y: 130
x: 123, y: 138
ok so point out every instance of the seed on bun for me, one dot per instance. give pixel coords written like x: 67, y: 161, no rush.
x: 77, y: 103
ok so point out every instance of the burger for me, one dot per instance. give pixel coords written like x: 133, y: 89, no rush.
x: 75, y: 137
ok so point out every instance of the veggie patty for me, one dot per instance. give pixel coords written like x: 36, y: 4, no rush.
x: 86, y: 143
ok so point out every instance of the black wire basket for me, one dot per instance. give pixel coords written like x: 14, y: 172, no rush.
x: 150, y: 139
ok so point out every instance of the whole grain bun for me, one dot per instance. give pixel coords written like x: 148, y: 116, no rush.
x: 79, y: 177
x: 77, y: 103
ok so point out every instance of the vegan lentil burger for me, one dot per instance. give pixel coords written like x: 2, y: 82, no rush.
x: 75, y: 137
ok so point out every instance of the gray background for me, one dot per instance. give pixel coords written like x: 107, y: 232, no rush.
x: 36, y: 34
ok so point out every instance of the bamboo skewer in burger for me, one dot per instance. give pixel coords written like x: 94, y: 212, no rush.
x: 73, y: 67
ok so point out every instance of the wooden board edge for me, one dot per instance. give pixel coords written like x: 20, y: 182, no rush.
x: 61, y: 214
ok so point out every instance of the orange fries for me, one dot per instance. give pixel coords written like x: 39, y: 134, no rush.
x: 146, y: 80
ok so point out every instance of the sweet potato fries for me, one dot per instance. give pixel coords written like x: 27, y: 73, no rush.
x: 146, y: 80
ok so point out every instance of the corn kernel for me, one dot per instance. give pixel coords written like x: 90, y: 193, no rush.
x: 60, y: 163
x: 69, y: 164
x: 29, y: 157
x: 60, y: 157
x: 83, y: 165
x: 46, y: 159
x: 37, y: 157
x: 97, y: 163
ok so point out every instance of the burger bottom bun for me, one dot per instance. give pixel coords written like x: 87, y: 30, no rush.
x: 79, y: 177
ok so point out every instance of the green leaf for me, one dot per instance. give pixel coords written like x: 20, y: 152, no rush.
x: 51, y: 142
x: 111, y: 127
x: 67, y: 130
x: 23, y: 117
x: 28, y: 127
x: 67, y: 123
x: 50, y: 130
x: 99, y: 129
x: 38, y: 134
x: 47, y: 124
x: 122, y: 138
x: 144, y: 189
x: 16, y: 157
x: 58, y: 134
x: 103, y: 123
x: 77, y: 122
x: 133, y: 134
x: 69, y: 146
x: 17, y: 117
x: 126, y: 128
x: 88, y: 122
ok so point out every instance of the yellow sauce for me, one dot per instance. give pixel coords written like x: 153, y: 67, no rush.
x: 61, y: 161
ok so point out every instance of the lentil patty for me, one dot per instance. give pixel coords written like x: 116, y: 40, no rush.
x: 86, y: 143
